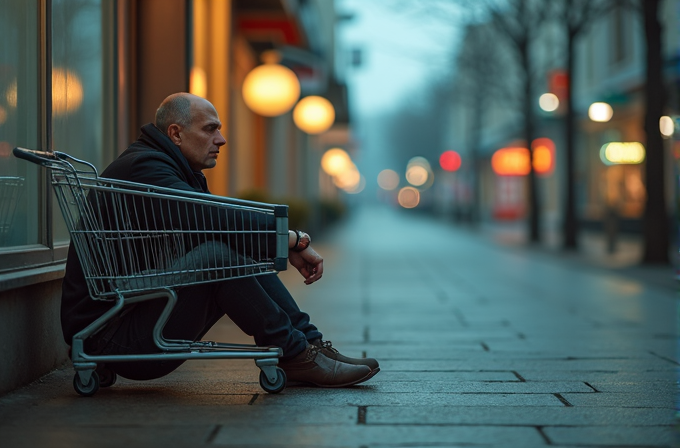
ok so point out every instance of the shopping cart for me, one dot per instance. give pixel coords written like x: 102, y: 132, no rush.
x: 138, y: 242
x: 10, y: 192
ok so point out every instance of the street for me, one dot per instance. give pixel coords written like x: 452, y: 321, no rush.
x: 480, y: 344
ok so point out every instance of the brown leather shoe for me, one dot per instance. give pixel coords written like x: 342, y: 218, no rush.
x: 330, y: 351
x: 312, y: 366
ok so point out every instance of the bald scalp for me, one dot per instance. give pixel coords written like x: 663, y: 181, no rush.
x: 175, y: 109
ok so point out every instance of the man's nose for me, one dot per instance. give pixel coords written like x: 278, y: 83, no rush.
x: 220, y: 140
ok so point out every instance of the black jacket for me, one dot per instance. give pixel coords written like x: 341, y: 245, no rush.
x: 153, y: 159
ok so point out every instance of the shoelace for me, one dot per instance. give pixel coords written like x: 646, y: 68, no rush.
x: 329, y: 346
x: 312, y: 352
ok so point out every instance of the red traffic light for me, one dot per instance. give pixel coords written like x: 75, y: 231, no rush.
x: 450, y: 161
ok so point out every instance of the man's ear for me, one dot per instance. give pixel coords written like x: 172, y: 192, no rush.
x: 173, y: 133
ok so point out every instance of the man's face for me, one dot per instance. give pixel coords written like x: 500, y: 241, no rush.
x: 200, y: 142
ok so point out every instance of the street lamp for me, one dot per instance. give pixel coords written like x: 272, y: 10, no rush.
x: 314, y: 114
x: 600, y: 112
x: 271, y: 89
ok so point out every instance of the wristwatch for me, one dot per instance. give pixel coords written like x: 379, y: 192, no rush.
x: 302, y: 242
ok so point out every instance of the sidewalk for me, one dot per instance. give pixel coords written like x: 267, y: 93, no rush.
x: 480, y: 344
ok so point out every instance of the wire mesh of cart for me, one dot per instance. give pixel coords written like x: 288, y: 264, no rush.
x: 138, y: 242
x: 11, y: 188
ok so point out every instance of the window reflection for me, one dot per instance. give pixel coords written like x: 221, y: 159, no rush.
x: 19, y: 121
x: 78, y: 68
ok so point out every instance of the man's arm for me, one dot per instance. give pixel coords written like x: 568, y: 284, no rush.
x: 306, y: 261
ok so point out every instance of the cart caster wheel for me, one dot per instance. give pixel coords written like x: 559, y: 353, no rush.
x: 277, y: 386
x: 107, y: 377
x: 89, y: 389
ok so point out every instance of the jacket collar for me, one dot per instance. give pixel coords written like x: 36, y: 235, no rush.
x: 155, y: 138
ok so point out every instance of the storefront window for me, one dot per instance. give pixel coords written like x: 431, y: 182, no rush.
x: 19, y: 122
x: 78, y: 60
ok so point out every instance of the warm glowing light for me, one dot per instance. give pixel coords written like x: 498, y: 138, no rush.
x: 335, y: 161
x: 408, y: 197
x: 544, y: 155
x: 514, y: 161
x: 314, y: 114
x: 511, y: 162
x: 417, y: 175
x: 549, y: 102
x: 198, y: 82
x: 348, y: 179
x: 622, y: 153
x: 666, y: 126
x: 601, y: 112
x: 11, y: 94
x: 418, y: 161
x: 271, y: 90
x: 450, y: 161
x: 67, y: 91
x: 3, y: 115
x: 357, y: 188
x: 388, y: 180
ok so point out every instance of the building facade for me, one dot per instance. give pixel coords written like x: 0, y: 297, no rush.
x: 83, y: 76
x: 610, y: 68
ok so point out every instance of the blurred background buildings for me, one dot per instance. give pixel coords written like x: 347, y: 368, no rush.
x: 82, y: 76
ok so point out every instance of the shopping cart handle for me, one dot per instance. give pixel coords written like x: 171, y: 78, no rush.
x: 38, y: 157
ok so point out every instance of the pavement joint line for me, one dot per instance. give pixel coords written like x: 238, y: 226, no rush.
x: 366, y: 335
x: 212, y: 434
x: 589, y: 385
x: 519, y: 377
x: 361, y: 415
x: 521, y: 335
x: 563, y: 400
x: 485, y: 347
x: 252, y: 400
x: 543, y: 435
x: 672, y: 361
x: 461, y: 318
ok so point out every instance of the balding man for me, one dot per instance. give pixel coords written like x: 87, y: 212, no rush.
x: 186, y: 139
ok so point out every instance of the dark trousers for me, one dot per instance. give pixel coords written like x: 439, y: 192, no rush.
x: 261, y: 306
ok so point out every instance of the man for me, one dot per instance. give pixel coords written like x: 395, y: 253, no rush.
x: 185, y: 140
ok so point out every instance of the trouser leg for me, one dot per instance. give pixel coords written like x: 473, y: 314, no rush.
x: 279, y: 293
x: 198, y: 308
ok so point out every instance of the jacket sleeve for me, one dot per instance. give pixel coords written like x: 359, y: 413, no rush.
x: 249, y: 233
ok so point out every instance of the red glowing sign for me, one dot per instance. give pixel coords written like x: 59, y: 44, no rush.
x: 450, y: 161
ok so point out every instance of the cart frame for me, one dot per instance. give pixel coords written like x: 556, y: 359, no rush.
x: 128, y: 255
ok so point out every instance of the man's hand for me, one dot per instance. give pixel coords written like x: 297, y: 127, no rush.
x: 309, y: 263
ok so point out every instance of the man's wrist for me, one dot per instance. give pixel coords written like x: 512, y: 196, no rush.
x: 302, y: 241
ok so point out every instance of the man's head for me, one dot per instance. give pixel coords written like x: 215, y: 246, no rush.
x: 191, y: 123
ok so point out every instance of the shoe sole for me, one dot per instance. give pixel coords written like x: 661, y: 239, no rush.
x: 370, y: 375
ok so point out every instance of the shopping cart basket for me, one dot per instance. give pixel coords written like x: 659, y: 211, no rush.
x: 138, y: 242
x: 10, y: 192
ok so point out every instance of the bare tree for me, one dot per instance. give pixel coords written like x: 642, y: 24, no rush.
x: 576, y: 16
x: 655, y: 220
x: 478, y: 84
x: 520, y: 21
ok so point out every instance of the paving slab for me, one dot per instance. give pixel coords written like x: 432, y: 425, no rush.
x: 479, y: 345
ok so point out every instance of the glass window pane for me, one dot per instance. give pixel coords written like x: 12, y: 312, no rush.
x: 19, y: 121
x: 77, y: 86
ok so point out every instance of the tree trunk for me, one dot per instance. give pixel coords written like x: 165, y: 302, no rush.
x: 534, y: 212
x: 655, y: 220
x: 474, y: 144
x: 570, y: 225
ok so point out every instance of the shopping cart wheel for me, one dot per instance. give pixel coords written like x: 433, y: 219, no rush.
x: 275, y: 387
x: 107, y: 377
x: 89, y: 389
